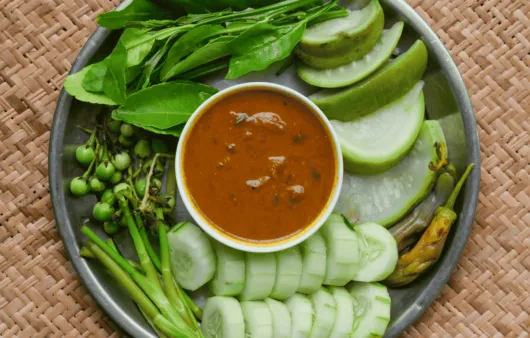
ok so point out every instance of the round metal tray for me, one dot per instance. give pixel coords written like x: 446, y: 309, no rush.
x: 446, y: 100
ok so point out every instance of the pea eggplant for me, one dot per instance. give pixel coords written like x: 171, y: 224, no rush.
x: 430, y: 246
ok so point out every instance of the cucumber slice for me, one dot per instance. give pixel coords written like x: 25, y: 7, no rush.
x: 260, y: 274
x: 288, y: 273
x: 229, y: 278
x: 325, y: 310
x: 222, y: 317
x: 371, y: 305
x: 342, y: 251
x: 378, y: 250
x: 386, y: 197
x: 301, y: 312
x: 357, y: 70
x: 191, y: 256
x: 281, y: 318
x: 344, y: 319
x: 375, y: 143
x: 258, y: 319
x: 313, y: 252
x: 386, y: 85
x: 339, y: 35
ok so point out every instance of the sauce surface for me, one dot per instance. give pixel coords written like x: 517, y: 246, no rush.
x: 259, y: 165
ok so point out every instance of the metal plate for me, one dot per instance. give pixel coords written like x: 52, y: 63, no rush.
x: 446, y: 100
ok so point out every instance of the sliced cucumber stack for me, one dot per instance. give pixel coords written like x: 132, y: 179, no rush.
x: 342, y: 251
x: 339, y: 41
x: 222, y: 318
x: 357, y: 70
x: 386, y: 85
x: 191, y: 256
x: 313, y: 252
x: 281, y: 318
x: 229, y: 278
x: 386, y: 197
x: 378, y: 253
x: 344, y: 319
x: 325, y: 310
x: 301, y: 312
x: 258, y: 319
x: 375, y: 143
x: 260, y: 274
x: 371, y: 305
x: 288, y: 273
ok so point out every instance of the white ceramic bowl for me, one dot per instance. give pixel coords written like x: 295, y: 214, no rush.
x: 237, y: 242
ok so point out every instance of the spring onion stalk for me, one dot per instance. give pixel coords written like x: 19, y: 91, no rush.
x: 145, y: 261
x: 152, y: 289
x: 167, y: 278
x: 87, y: 253
x: 139, y: 297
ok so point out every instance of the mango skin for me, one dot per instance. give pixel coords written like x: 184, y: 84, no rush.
x: 388, y: 84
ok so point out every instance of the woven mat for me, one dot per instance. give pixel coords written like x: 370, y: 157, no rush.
x: 488, y: 294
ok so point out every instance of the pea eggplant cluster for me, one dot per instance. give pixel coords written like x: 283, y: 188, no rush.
x: 120, y: 161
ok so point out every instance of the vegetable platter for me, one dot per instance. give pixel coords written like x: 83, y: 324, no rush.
x: 396, y: 105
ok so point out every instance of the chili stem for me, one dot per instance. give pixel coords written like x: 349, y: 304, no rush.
x: 450, y: 204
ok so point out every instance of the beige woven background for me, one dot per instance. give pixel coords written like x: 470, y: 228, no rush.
x: 488, y: 294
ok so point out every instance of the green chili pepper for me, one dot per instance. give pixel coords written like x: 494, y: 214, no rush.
x: 421, y: 216
x: 430, y: 246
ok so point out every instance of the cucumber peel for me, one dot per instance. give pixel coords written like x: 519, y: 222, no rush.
x: 347, y: 49
x: 375, y: 143
x: 378, y: 253
x: 371, y: 305
x: 386, y: 85
x: 337, y: 35
x: 223, y: 317
x: 357, y: 70
x: 385, y: 198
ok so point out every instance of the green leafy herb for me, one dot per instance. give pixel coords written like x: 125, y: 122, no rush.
x: 264, y: 43
x: 205, y: 69
x: 216, y: 49
x: 114, y: 82
x: 93, y: 80
x: 137, y: 10
x: 201, y: 6
x: 165, y: 105
x: 74, y: 86
x: 190, y: 41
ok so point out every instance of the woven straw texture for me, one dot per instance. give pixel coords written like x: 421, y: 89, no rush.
x: 489, y: 292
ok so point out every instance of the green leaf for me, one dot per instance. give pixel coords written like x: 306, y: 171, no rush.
x: 114, y: 82
x: 165, y: 105
x: 74, y: 86
x: 261, y: 46
x: 173, y: 131
x: 137, y: 10
x: 152, y: 64
x: 93, y: 80
x: 137, y: 46
x: 212, y: 51
x: 202, y: 6
x: 185, y: 45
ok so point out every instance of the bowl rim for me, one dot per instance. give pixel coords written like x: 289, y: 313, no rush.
x: 207, y: 225
x: 430, y: 291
